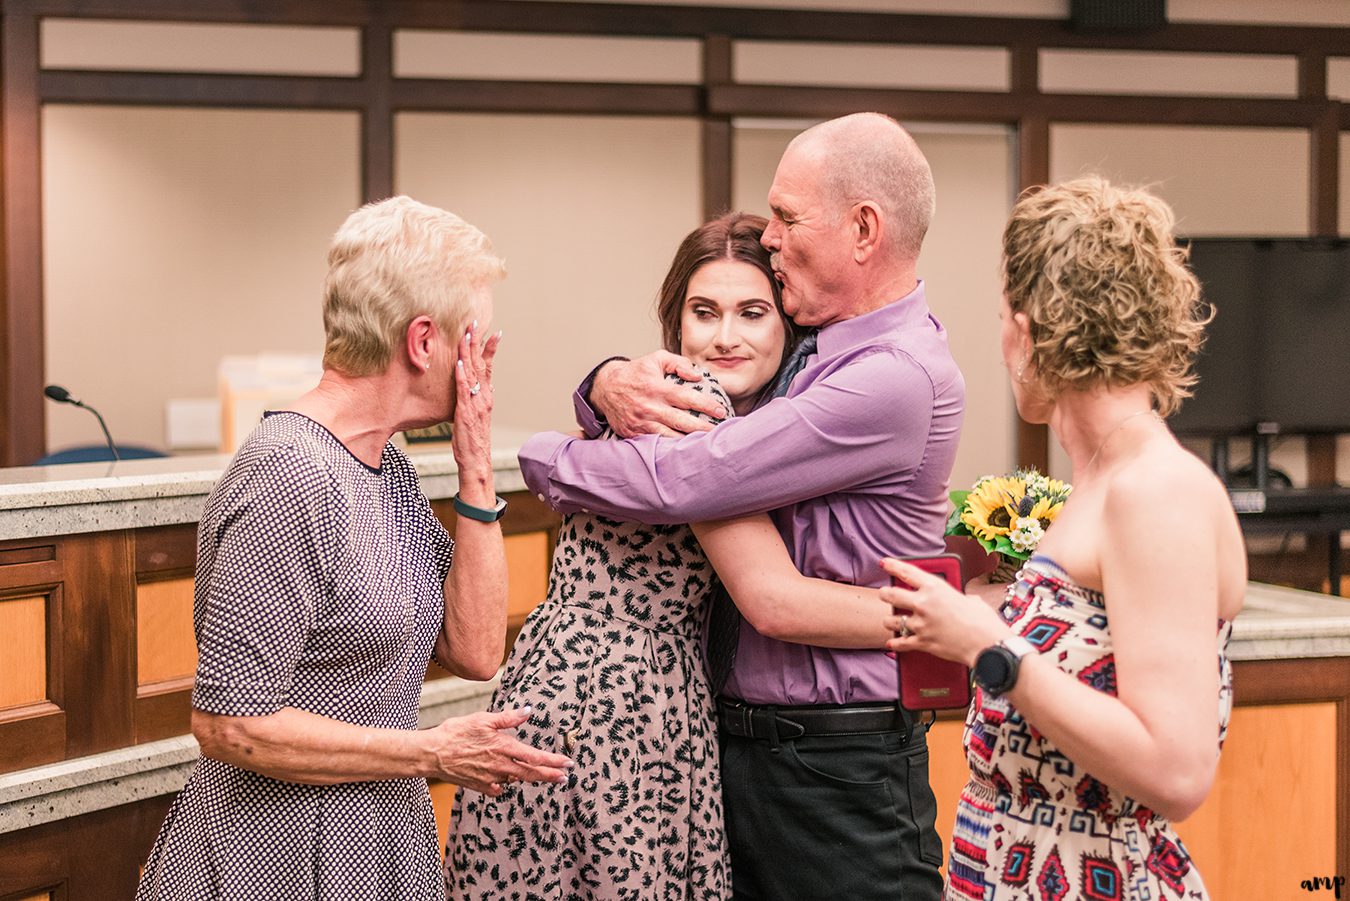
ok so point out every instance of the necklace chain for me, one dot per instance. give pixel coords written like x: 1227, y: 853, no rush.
x: 1116, y: 428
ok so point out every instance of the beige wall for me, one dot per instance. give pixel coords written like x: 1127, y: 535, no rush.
x: 189, y: 235
x: 174, y: 237
x: 587, y: 212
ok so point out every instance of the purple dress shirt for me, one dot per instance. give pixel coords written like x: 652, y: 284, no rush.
x: 852, y: 464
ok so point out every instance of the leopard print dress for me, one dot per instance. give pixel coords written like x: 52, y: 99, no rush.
x: 612, y: 664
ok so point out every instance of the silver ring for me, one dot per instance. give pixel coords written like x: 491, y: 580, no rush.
x: 904, y: 626
x: 477, y: 386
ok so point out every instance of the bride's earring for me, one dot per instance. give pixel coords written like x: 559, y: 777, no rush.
x: 1021, y: 368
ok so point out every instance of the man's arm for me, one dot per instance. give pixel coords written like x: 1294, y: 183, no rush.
x: 868, y: 418
x: 635, y: 397
x: 780, y: 602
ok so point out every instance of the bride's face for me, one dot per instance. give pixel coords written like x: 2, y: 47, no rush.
x: 729, y: 326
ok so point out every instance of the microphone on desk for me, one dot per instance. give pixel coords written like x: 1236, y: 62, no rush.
x: 62, y: 396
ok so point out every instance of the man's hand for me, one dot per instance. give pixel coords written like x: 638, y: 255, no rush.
x: 480, y: 752
x: 637, y: 399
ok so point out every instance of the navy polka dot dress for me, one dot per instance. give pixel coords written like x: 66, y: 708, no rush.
x: 319, y: 587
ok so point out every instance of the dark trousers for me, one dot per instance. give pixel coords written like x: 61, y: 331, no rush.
x: 834, y: 816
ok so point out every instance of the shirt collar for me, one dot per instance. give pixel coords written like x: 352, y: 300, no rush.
x: 840, y: 336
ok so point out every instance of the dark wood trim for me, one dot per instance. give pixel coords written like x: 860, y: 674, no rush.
x: 163, y: 710
x: 1312, y: 76
x: 23, y: 427
x: 610, y: 99
x: 1033, y: 168
x: 715, y: 139
x: 1024, y: 69
x: 165, y: 552
x: 805, y: 102
x: 1324, y: 173
x: 377, y: 114
x: 99, y: 632
x: 723, y: 100
x: 204, y: 90
x: 95, y: 855
x: 1321, y: 454
x: 996, y: 106
x: 651, y: 20
x: 1120, y: 109
x: 33, y: 736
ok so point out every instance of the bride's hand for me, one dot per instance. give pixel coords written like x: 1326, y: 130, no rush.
x: 472, y: 428
x: 932, y: 616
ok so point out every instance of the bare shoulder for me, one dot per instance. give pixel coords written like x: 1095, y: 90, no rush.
x: 1167, y: 496
x: 1167, y: 476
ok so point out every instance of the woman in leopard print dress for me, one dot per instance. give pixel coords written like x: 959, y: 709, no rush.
x: 612, y: 661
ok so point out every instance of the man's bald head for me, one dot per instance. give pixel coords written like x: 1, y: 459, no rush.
x: 869, y: 156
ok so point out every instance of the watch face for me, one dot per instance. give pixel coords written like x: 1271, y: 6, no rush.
x: 993, y: 669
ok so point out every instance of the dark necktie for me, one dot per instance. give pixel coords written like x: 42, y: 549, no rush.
x: 724, y: 620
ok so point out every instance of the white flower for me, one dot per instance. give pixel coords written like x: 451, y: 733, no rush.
x: 1037, y: 484
x: 1026, y: 533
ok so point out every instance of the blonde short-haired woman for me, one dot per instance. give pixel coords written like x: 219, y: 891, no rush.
x: 325, y: 586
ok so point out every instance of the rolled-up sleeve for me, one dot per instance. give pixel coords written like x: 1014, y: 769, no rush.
x: 257, y: 596
x: 847, y: 427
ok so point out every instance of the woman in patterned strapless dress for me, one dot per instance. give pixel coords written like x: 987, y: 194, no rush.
x: 612, y: 662
x: 1103, y: 685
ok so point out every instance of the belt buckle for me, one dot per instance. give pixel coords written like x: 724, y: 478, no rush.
x: 738, y: 719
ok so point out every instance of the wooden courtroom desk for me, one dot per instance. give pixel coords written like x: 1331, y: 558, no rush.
x: 97, y: 656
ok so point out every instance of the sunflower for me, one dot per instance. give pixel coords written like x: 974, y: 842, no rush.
x: 991, y: 507
x: 1045, y: 511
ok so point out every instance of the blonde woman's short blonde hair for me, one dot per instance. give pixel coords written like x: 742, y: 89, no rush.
x: 1106, y: 289
x: 389, y: 263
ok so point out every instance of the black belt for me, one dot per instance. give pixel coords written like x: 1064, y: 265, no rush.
x: 775, y: 724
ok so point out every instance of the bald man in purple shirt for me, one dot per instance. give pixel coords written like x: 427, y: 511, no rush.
x: 825, y: 777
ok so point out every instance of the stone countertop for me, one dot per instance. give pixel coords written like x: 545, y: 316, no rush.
x: 1281, y: 623
x: 44, y: 501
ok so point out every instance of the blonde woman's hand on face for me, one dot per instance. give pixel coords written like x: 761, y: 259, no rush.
x: 471, y: 439
x: 480, y: 752
x: 934, y: 617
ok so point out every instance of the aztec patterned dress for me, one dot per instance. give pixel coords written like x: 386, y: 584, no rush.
x: 612, y: 663
x: 320, y: 587
x: 1032, y: 826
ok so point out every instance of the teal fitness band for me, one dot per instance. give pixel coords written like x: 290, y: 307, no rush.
x: 480, y: 513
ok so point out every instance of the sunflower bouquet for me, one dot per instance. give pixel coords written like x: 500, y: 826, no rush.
x: 1008, y: 515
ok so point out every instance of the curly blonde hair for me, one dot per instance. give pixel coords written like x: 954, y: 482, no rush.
x: 1105, y: 286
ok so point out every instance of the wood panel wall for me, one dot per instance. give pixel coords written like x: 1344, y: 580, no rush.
x: 98, y: 650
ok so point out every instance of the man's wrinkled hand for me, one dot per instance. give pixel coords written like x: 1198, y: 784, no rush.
x: 637, y: 399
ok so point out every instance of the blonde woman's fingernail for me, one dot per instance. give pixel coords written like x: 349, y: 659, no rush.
x: 460, y: 364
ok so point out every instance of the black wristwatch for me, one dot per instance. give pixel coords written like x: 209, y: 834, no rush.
x: 481, y: 514
x: 996, y: 667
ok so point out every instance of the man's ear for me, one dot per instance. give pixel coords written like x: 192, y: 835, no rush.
x: 867, y: 227
x: 420, y: 342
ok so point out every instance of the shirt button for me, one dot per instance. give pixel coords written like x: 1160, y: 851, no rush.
x: 541, y: 498
x: 584, y: 510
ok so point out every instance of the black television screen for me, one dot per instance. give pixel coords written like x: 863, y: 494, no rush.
x: 1278, y: 349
